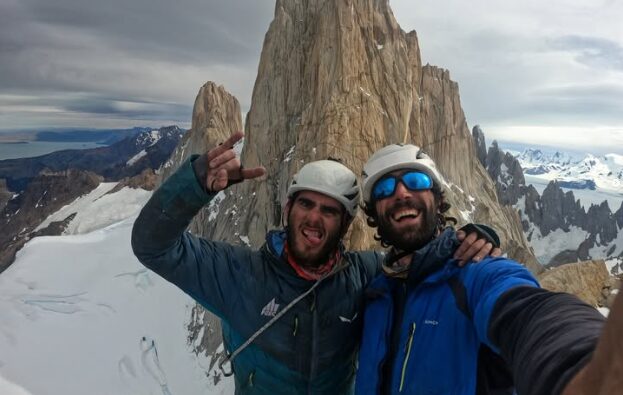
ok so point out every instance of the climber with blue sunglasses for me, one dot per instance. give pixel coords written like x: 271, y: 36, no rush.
x: 433, y: 327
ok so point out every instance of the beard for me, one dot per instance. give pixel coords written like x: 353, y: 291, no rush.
x: 311, y: 259
x: 413, y: 238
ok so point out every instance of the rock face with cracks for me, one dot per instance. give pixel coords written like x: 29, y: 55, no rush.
x: 340, y: 79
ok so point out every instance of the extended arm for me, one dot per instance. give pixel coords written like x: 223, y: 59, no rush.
x: 603, y: 375
x: 545, y: 337
x: 205, y: 270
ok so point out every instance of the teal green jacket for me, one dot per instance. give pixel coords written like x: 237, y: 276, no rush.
x: 312, y: 349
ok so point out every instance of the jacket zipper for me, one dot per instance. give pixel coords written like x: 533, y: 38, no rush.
x: 314, y: 343
x: 407, y: 352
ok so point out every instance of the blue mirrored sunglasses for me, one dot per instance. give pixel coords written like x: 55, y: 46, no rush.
x: 413, y: 180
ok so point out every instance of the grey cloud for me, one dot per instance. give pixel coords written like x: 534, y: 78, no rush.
x: 496, y: 100
x: 502, y: 78
x: 130, y: 109
x: 222, y: 31
x: 600, y: 100
x: 586, y: 92
x: 100, y: 106
x: 592, y: 51
x: 107, y: 46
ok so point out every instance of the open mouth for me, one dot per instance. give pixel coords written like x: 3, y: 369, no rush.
x: 313, y: 236
x: 406, y: 214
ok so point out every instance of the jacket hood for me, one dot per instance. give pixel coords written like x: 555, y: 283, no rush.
x: 427, y: 262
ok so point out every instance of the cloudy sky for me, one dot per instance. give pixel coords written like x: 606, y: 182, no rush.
x: 548, y: 73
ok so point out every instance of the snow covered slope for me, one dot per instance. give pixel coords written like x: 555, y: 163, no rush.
x: 80, y: 315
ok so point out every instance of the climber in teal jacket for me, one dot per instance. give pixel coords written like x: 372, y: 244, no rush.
x: 290, y: 311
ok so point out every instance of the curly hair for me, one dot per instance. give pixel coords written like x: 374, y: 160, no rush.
x: 442, y: 220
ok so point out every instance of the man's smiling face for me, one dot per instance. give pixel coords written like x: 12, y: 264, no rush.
x: 314, y: 227
x: 407, y: 219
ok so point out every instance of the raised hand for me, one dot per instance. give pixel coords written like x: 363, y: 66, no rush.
x: 224, y: 168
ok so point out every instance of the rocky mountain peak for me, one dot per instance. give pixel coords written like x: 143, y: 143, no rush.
x: 506, y: 172
x: 147, y: 139
x: 340, y: 80
x: 618, y: 216
x: 599, y: 221
x: 480, y: 144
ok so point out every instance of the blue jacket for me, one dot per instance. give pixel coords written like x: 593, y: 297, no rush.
x: 312, y: 349
x: 437, y: 346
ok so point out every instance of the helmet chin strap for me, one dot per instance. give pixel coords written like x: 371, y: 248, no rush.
x: 285, y: 213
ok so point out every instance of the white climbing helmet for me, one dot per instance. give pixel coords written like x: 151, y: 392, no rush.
x: 395, y: 157
x: 330, y: 178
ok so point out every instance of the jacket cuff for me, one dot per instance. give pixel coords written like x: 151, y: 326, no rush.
x: 200, y: 168
x: 182, y: 191
x: 484, y: 232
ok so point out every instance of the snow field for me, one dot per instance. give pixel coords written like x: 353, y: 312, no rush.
x: 82, y: 316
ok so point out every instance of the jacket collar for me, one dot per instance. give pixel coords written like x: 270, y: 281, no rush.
x: 275, y: 246
x: 276, y: 242
x: 431, y: 263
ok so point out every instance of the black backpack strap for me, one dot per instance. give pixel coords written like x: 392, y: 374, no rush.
x: 460, y: 296
x: 494, y: 374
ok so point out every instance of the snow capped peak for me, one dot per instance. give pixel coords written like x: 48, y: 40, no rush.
x: 147, y: 139
x: 535, y: 157
x: 531, y: 155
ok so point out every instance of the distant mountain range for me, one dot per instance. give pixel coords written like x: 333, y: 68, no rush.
x: 112, y: 162
x: 98, y: 136
x: 101, y: 136
x: 591, y: 172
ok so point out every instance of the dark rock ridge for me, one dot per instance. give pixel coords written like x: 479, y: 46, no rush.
x: 147, y: 180
x: 5, y: 194
x: 480, y: 145
x: 554, y: 209
x: 45, y: 194
x: 111, y: 162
